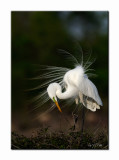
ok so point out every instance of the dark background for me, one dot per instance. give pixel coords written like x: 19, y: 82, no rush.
x: 36, y: 36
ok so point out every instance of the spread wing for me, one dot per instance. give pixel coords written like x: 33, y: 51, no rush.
x: 88, y: 89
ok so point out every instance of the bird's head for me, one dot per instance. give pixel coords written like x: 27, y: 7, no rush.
x: 52, y: 88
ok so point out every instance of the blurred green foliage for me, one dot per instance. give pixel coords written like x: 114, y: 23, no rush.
x: 36, y: 36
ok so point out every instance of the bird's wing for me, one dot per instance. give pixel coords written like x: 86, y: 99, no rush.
x: 89, y: 103
x: 87, y: 88
x: 92, y: 105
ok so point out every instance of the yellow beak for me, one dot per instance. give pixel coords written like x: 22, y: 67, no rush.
x: 58, y: 106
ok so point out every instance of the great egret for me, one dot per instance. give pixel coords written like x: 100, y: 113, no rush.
x: 79, y: 87
x: 65, y: 83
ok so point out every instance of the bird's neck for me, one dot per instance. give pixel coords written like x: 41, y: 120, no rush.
x: 65, y: 95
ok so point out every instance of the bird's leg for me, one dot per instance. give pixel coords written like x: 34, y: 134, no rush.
x: 75, y: 117
x: 82, y: 100
x: 83, y: 118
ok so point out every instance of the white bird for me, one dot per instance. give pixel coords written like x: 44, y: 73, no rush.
x: 77, y: 86
x: 75, y: 82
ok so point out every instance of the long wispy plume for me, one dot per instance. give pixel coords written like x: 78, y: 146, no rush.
x: 55, y: 74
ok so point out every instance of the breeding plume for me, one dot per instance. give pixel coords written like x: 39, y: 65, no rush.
x: 66, y: 83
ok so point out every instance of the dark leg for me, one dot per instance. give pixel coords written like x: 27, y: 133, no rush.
x: 75, y: 117
x: 83, y: 118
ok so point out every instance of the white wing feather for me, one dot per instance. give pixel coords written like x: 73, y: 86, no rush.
x: 89, y: 89
x: 89, y: 103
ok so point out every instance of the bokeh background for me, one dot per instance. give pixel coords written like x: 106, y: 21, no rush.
x: 35, y: 38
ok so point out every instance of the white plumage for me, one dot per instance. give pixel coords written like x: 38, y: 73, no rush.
x: 77, y: 85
